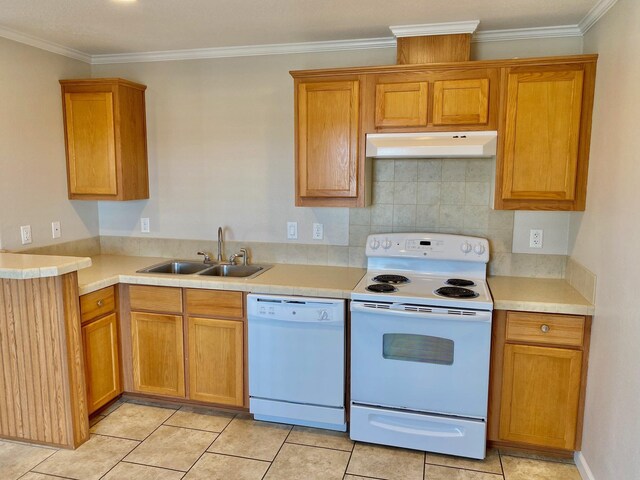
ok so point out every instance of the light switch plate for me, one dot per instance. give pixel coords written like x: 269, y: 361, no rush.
x: 56, y: 232
x: 144, y: 225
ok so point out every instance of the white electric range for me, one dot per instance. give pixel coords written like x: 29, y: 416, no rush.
x: 420, y: 343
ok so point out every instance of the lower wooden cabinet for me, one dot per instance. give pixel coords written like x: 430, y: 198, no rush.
x: 102, y: 362
x: 538, y: 376
x: 101, y: 346
x: 187, y: 343
x: 216, y: 370
x: 540, y: 391
x: 158, y: 354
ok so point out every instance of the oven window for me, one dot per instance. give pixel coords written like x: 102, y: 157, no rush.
x: 417, y: 348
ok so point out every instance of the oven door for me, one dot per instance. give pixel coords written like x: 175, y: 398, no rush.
x: 420, y: 358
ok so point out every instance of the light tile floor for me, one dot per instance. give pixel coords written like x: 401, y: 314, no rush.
x: 138, y: 441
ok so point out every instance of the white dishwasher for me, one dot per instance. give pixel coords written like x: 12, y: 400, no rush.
x: 297, y: 360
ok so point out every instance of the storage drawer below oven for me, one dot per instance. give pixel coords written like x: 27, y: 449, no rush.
x: 431, y: 433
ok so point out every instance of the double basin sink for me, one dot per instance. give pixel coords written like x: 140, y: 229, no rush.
x: 186, y: 267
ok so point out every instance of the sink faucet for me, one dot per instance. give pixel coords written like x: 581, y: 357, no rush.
x: 220, y: 242
x: 241, y: 254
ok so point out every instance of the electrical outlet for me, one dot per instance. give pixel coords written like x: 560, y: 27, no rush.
x: 144, y: 225
x: 535, y: 238
x: 25, y: 234
x: 318, y: 231
x: 292, y: 230
x: 55, y: 230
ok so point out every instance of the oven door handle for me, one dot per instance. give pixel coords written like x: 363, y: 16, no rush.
x: 441, y: 313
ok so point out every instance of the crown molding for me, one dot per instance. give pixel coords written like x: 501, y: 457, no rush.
x: 526, y: 33
x: 447, y: 28
x: 44, y: 44
x: 247, y: 51
x: 595, y: 14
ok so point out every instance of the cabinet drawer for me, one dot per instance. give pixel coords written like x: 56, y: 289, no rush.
x: 162, y: 299
x: 545, y: 328
x: 215, y: 303
x: 98, y: 303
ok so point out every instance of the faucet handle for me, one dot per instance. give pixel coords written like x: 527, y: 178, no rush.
x: 242, y: 253
x: 207, y: 257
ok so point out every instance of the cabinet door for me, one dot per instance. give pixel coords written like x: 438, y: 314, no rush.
x: 158, y: 354
x: 102, y: 364
x: 90, y: 143
x: 327, y: 129
x: 541, y: 134
x: 216, y: 353
x: 401, y: 104
x: 540, y: 393
x: 461, y: 102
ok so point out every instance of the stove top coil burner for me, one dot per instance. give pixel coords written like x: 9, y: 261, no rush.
x: 382, y: 288
x: 460, y: 282
x: 388, y: 278
x: 456, y: 292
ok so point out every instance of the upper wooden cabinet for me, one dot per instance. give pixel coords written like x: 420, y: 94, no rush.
x: 434, y: 100
x: 327, y: 142
x: 401, y: 104
x: 541, y: 108
x: 106, y: 139
x: 544, y: 137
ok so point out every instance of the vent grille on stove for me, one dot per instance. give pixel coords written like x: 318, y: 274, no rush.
x: 415, y: 308
x: 377, y: 305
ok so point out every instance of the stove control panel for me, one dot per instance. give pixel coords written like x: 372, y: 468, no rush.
x: 436, y: 246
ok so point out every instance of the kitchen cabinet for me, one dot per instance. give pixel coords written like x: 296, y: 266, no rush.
x: 329, y: 170
x: 187, y: 343
x: 216, y: 346
x: 101, y: 347
x: 158, y: 355
x: 544, y: 136
x: 435, y: 100
x: 157, y: 336
x: 106, y: 139
x: 541, y: 108
x: 538, y: 380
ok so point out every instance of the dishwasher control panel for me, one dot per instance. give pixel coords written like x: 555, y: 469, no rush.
x: 295, y: 309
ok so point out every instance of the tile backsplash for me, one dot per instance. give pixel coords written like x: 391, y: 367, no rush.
x: 446, y: 196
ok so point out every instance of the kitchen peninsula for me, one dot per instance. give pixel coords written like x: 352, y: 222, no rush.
x: 42, y: 383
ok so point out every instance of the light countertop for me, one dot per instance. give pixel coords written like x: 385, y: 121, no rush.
x: 311, y: 280
x: 509, y: 293
x: 538, y: 295
x: 23, y: 266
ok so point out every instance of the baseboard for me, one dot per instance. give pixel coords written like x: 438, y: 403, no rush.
x: 583, y: 467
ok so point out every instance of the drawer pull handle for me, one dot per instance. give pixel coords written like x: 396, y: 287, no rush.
x: 100, y: 303
x: 545, y: 328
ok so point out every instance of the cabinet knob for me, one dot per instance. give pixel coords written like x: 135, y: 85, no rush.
x: 545, y: 328
x: 100, y: 302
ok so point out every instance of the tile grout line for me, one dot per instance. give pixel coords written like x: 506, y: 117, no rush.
x: 206, y: 450
x: 139, y: 441
x: 277, y: 453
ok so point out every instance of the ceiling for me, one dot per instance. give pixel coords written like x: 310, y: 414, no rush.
x: 99, y: 27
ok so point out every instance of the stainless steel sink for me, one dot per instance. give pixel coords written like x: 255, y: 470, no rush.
x: 242, y: 271
x: 176, y: 267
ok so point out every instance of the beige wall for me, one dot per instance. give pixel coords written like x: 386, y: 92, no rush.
x: 607, y: 240
x: 221, y: 144
x: 33, y: 185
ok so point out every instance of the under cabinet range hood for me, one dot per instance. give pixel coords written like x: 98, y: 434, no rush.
x: 431, y: 145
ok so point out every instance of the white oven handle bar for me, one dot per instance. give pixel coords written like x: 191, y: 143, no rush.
x: 372, y: 308
x: 387, y: 424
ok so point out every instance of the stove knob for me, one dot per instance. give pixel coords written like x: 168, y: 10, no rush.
x: 386, y: 244
x: 374, y: 244
x: 466, y: 247
x: 479, y: 248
